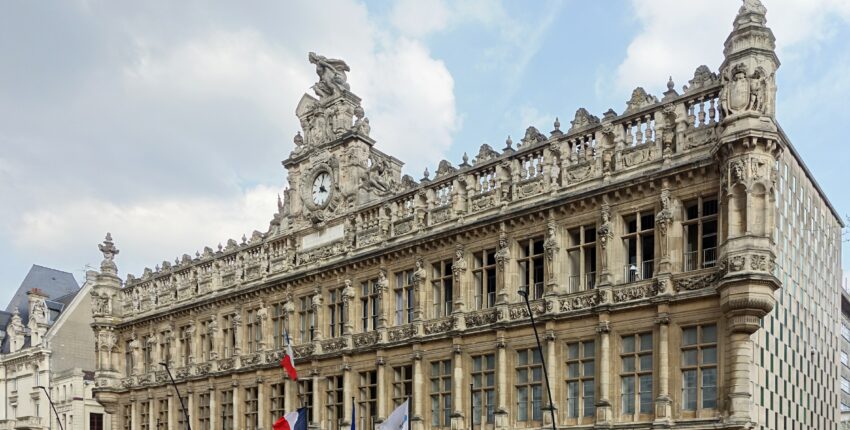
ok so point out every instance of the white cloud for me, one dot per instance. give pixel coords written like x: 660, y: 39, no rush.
x: 417, y: 18
x: 171, y: 133
x: 674, y: 40
x: 147, y: 232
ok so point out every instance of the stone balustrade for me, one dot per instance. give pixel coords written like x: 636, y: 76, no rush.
x: 592, y: 153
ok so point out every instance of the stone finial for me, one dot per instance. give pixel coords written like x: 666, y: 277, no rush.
x: 671, y: 92
x: 557, y: 130
x: 109, y: 252
x: 465, y: 159
x: 509, y: 145
x: 244, y: 239
x: 298, y: 140
x: 426, y: 175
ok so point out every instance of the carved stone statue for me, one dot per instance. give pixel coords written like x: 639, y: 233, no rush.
x: 419, y: 274
x: 378, y: 176
x: 550, y: 245
x: 460, y: 264
x: 332, y: 78
x: 39, y: 312
x: 503, y: 254
x: 361, y: 124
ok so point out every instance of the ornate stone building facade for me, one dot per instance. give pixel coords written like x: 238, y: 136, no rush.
x: 681, y: 263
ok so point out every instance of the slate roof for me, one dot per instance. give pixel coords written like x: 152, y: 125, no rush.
x: 60, y: 288
x: 55, y: 284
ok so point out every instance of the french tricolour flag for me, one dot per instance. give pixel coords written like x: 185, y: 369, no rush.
x: 292, y: 421
x: 286, y: 361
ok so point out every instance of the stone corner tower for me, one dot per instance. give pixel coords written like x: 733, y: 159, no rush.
x: 105, y: 294
x: 749, y: 145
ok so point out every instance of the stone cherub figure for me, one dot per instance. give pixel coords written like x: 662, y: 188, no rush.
x: 332, y: 77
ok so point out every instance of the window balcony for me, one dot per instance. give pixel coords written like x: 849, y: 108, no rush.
x: 637, y: 272
x: 709, y: 259
x: 576, y: 284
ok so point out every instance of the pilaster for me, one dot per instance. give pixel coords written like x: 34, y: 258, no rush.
x: 604, y: 406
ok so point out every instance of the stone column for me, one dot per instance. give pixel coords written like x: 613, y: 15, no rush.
x: 460, y: 286
x: 317, y: 411
x: 190, y: 408
x: 501, y: 414
x: 213, y: 407
x: 347, y: 391
x: 151, y: 415
x: 380, y: 365
x: 237, y: 404
x: 606, y: 235
x: 663, y: 403
x: 458, y: 392
x: 553, y: 368
x: 262, y: 406
x: 134, y: 413
x: 173, y: 407
x: 318, y: 317
x: 551, y: 246
x: 418, y: 391
x: 604, y: 408
x: 348, y: 295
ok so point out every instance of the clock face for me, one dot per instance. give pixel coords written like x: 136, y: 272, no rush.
x: 321, y: 188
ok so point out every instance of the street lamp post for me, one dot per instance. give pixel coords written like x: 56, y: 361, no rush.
x: 524, y: 294
x: 182, y: 406
x: 61, y: 427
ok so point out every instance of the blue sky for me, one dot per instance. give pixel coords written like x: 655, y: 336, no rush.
x: 164, y: 122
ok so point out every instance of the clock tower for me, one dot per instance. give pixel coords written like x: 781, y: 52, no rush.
x: 334, y: 167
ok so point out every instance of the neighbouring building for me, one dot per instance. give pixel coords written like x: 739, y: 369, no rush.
x: 843, y: 354
x: 682, y: 265
x: 46, y: 342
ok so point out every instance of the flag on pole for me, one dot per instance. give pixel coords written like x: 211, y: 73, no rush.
x: 399, y: 419
x: 286, y: 361
x: 292, y: 421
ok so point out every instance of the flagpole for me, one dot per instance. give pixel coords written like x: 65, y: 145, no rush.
x: 524, y: 294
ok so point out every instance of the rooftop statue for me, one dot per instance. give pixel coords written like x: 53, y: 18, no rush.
x: 332, y: 78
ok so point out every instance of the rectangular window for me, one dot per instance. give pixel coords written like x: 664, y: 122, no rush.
x: 334, y: 401
x: 699, y: 367
x: 442, y: 288
x: 581, y: 387
x: 581, y: 258
x: 404, y: 297
x: 845, y: 385
x: 845, y: 332
x: 229, y: 334
x: 226, y: 406
x: 147, y: 352
x: 531, y: 267
x: 639, y: 246
x: 368, y: 402
x: 305, y: 396
x: 306, y: 319
x: 484, y: 388
x: 336, y: 313
x: 162, y: 414
x: 144, y: 417
x: 204, y: 411
x: 278, y: 326
x: 441, y: 394
x: 206, y: 338
x: 95, y: 421
x: 636, y: 374
x: 700, y: 225
x: 185, y: 343
x: 402, y: 384
x: 369, y: 305
x: 251, y: 414
x: 127, y: 417
x: 529, y: 385
x: 484, y: 274
x: 278, y: 395
x: 844, y: 358
x: 253, y: 331
x: 128, y: 358
x: 165, y: 347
